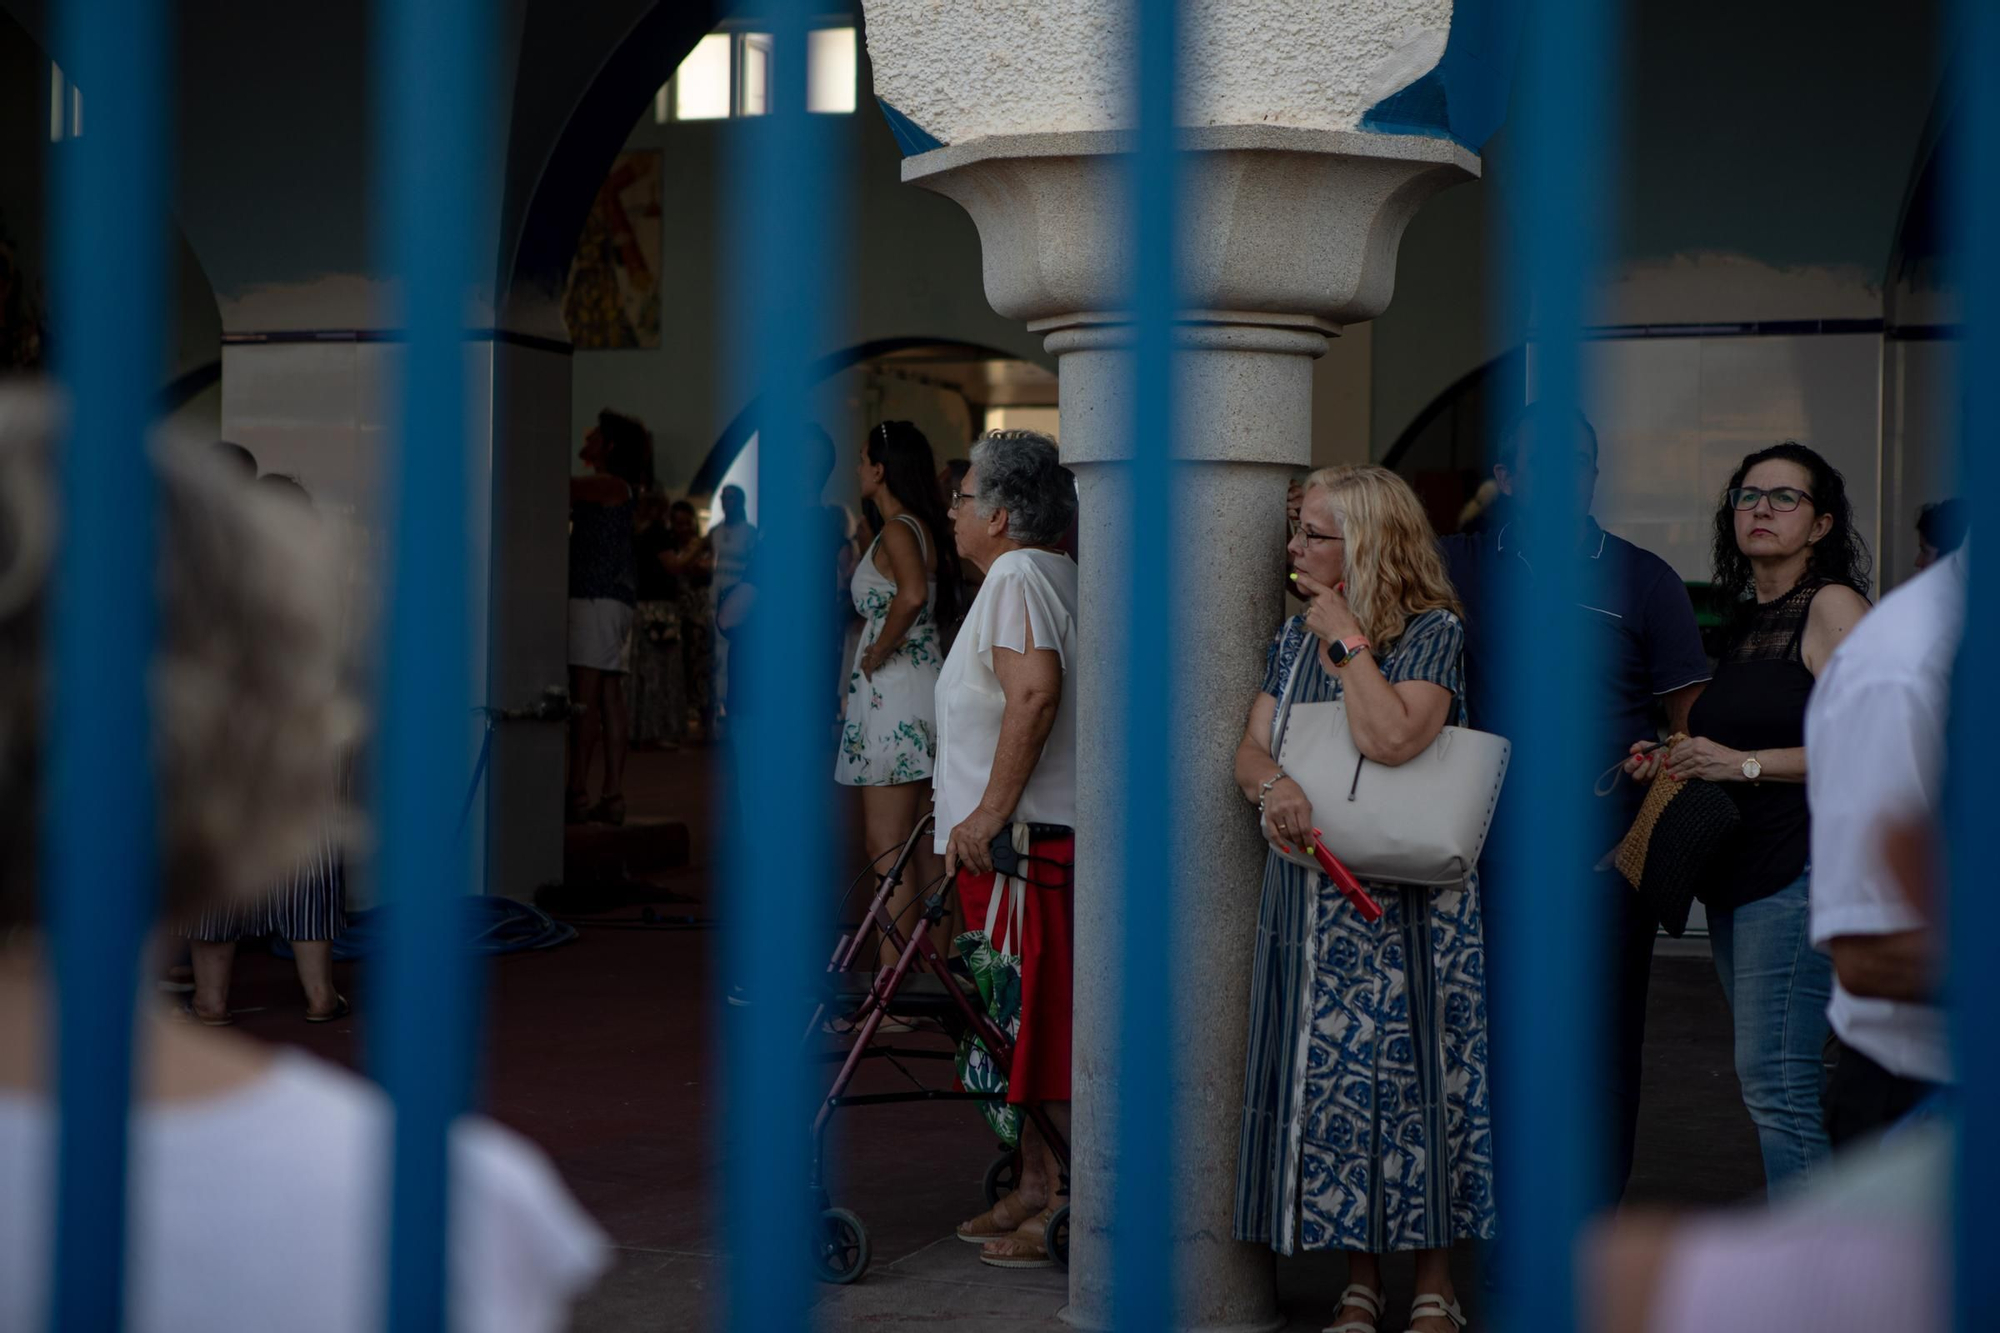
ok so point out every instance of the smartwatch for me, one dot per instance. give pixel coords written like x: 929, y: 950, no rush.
x: 1344, y: 651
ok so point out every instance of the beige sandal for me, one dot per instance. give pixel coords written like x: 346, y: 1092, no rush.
x: 1361, y: 1298
x: 1027, y: 1248
x: 989, y: 1227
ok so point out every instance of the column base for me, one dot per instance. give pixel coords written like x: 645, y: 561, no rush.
x: 1068, y: 1315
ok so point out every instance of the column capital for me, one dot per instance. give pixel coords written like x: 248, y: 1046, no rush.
x: 1282, y: 228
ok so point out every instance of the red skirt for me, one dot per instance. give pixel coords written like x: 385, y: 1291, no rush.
x: 1040, y: 1072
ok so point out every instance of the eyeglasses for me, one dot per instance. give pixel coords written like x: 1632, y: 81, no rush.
x: 1784, y: 499
x: 1302, y: 530
x: 956, y: 496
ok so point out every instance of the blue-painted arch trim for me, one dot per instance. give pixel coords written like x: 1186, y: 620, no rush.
x: 911, y: 137
x: 1464, y: 97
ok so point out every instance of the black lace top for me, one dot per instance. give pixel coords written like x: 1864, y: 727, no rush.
x: 1757, y: 702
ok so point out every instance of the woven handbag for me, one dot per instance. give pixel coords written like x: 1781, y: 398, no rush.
x: 1673, y: 844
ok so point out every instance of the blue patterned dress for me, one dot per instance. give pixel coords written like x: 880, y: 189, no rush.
x: 1365, y: 1114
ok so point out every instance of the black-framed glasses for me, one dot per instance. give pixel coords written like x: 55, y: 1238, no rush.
x: 1784, y: 499
x: 954, y: 497
x: 1305, y: 531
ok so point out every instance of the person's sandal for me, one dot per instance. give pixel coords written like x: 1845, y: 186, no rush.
x: 989, y: 1226
x: 1435, y: 1307
x: 1356, y: 1294
x: 341, y: 1009
x: 190, y: 1014
x: 1026, y: 1248
x: 610, y: 810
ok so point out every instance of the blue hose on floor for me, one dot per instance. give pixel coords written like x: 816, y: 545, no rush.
x: 494, y: 925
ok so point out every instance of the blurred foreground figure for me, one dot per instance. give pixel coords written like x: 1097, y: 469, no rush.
x: 259, y: 1178
x: 1864, y: 1248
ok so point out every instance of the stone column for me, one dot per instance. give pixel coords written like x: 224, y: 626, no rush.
x: 1288, y: 235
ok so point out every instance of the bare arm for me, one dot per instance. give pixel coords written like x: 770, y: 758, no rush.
x: 906, y: 567
x: 1391, y: 724
x: 1679, y: 703
x: 1887, y: 967
x: 1835, y: 610
x: 1032, y: 683
x: 1254, y: 764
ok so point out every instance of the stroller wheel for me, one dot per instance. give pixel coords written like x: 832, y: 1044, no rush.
x: 842, y: 1252
x: 1057, y: 1236
x: 1002, y: 1176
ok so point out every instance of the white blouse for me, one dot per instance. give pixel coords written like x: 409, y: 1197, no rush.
x: 1023, y: 590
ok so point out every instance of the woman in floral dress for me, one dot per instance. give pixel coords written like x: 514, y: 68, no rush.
x: 904, y: 588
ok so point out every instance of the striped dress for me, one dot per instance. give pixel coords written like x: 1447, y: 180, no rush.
x: 1365, y: 1111
x: 311, y: 903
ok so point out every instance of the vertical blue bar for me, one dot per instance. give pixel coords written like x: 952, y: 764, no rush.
x: 99, y: 858
x: 431, y: 68
x: 785, y: 230
x: 1974, y: 734
x: 1142, y: 1274
x: 1555, y: 927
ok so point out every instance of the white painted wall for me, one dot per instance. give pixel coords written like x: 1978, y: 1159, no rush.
x: 912, y: 271
x: 962, y: 71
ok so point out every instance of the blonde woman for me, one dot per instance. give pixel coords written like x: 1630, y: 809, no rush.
x: 1365, y: 1107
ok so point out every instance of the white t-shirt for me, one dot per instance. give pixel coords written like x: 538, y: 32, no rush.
x: 1023, y: 589
x: 1875, y: 751
x: 267, y: 1207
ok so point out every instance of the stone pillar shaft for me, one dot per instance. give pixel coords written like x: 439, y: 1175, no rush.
x: 1243, y: 416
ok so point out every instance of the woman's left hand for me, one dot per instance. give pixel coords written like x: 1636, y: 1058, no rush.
x: 1328, y: 615
x: 872, y: 659
x: 1699, y: 757
x: 970, y: 845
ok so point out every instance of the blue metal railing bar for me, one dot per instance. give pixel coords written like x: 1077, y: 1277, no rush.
x: 1547, y: 931
x: 1974, y: 732
x: 433, y: 67
x: 99, y: 858
x: 1142, y: 1202
x: 785, y: 229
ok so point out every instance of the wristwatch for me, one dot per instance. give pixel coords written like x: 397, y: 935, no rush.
x: 1343, y: 651
x: 1752, y: 770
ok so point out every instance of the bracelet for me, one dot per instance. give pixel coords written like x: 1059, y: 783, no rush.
x: 1264, y: 792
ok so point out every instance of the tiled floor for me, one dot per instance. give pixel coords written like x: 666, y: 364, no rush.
x: 601, y: 1052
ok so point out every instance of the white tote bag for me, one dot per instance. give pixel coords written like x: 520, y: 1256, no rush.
x: 1422, y: 822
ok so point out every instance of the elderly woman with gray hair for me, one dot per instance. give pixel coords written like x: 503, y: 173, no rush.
x: 259, y: 1175
x: 1006, y: 788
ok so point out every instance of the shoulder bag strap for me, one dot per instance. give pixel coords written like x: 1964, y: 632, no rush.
x: 1279, y: 718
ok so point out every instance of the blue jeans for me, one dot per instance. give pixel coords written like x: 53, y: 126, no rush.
x: 1777, y: 986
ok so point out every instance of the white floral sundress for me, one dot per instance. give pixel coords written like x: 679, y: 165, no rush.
x: 889, y: 735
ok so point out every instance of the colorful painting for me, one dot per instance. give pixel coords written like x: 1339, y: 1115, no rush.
x: 613, y: 299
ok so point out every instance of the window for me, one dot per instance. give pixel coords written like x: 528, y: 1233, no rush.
x: 753, y: 77
x: 830, y: 70
x: 730, y: 73
x: 701, y: 84
x: 65, y: 106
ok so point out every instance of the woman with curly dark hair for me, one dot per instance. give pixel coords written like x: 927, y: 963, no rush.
x: 1794, y: 574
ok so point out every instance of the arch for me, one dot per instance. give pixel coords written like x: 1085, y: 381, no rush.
x: 554, y: 200
x: 744, y: 424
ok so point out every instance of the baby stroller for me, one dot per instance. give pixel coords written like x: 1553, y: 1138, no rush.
x: 920, y: 985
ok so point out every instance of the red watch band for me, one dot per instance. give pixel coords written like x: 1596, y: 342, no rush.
x: 1346, y: 650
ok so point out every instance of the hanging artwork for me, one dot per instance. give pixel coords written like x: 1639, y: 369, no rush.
x: 21, y: 331
x: 613, y: 299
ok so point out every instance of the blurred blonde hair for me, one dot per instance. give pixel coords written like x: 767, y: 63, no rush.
x: 1393, y: 569
x: 250, y: 706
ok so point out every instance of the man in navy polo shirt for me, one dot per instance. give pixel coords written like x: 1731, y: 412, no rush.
x: 1652, y: 665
